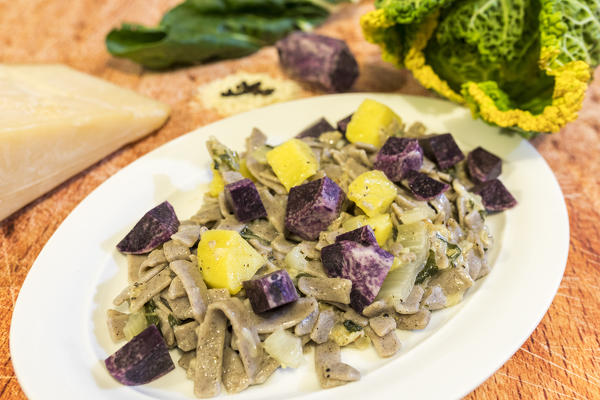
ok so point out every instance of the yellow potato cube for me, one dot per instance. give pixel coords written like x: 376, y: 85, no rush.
x: 381, y: 225
x: 245, y: 171
x: 396, y: 264
x: 293, y: 162
x: 373, y: 192
x: 371, y: 122
x: 217, y: 184
x: 227, y: 260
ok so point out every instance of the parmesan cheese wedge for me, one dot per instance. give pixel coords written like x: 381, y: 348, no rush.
x: 55, y: 122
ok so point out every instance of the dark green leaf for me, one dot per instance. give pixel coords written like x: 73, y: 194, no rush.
x: 231, y: 159
x: 173, y: 321
x: 352, y: 326
x: 153, y: 319
x: 199, y: 31
x: 149, y: 307
x: 428, y: 270
x: 452, y: 250
x: 247, y: 234
x: 483, y: 214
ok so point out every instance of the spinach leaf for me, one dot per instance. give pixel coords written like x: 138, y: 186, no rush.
x: 452, y: 250
x: 352, y: 326
x: 428, y: 270
x: 173, y: 320
x: 247, y: 234
x: 199, y: 31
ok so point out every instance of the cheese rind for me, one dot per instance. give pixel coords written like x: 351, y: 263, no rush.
x: 55, y: 122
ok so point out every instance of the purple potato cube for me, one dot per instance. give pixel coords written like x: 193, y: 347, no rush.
x: 315, y: 130
x: 342, y: 124
x: 423, y: 187
x: 311, y: 207
x: 494, y: 195
x: 143, y: 359
x: 483, y: 166
x: 152, y: 230
x: 270, y: 291
x: 365, y: 266
x: 318, y: 60
x: 363, y: 235
x: 442, y: 149
x: 398, y: 156
x: 245, y: 201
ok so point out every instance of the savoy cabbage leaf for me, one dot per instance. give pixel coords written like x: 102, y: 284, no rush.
x: 518, y: 64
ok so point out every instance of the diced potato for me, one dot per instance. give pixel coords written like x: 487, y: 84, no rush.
x: 227, y: 259
x: 293, y: 162
x: 373, y: 192
x: 381, y: 225
x: 217, y: 184
x: 245, y: 171
x: 397, y: 264
x: 371, y: 123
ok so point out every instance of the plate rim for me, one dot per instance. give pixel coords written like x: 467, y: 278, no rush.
x: 19, y: 367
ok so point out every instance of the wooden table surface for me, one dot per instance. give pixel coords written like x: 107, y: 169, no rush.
x: 561, y: 359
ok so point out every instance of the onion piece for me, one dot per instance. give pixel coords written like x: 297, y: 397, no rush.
x: 285, y: 348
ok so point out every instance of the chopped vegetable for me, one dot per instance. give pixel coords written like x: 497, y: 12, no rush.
x: 143, y: 359
x: 270, y: 291
x: 152, y: 230
x: 245, y: 201
x: 442, y: 149
x: 428, y: 270
x: 522, y: 64
x: 423, y: 187
x: 247, y: 234
x: 318, y: 60
x: 363, y: 235
x: 381, y: 224
x: 418, y: 213
x: 217, y: 184
x: 285, y: 348
x: 398, y: 156
x: 352, y: 326
x: 494, y: 195
x: 372, y: 123
x: 365, y: 266
x: 373, y: 192
x: 311, y: 207
x: 315, y: 130
x: 415, y: 238
x: 483, y: 165
x: 342, y: 124
x: 292, y: 162
x: 135, y: 324
x: 200, y: 31
x: 343, y: 337
x: 453, y: 251
x: 226, y: 259
x: 295, y: 260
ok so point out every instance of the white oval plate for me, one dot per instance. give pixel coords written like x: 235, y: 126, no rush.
x: 59, y: 338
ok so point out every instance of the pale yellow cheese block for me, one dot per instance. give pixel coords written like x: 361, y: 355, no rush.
x: 55, y: 122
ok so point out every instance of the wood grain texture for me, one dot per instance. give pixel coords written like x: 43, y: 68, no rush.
x: 561, y: 359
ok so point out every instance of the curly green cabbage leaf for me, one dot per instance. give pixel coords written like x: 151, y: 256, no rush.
x: 517, y: 64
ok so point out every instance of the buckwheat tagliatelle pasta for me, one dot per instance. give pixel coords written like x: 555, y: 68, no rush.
x: 334, y: 238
